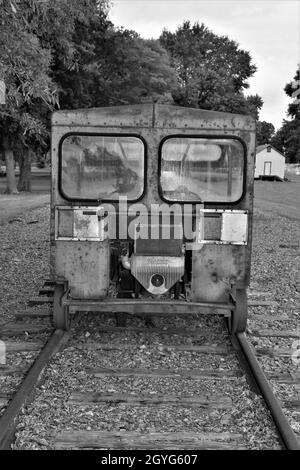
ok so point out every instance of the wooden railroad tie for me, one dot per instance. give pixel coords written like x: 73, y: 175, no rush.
x: 274, y: 352
x: 74, y: 439
x: 33, y: 314
x: 263, y: 303
x: 194, y: 374
x: 204, y: 349
x: 46, y: 294
x: 284, y: 377
x: 257, y: 293
x: 6, y: 371
x: 40, y: 301
x: 4, y: 399
x: 267, y: 317
x: 198, y: 332
x: 47, y: 290
x: 275, y: 333
x: 292, y: 404
x: 217, y: 402
x: 15, y: 329
x: 16, y: 346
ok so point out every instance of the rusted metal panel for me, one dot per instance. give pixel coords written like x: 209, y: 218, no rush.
x: 149, y: 115
x: 135, y: 116
x: 153, y: 123
x: 64, y: 223
x: 85, y: 265
x: 215, y: 268
x: 181, y: 118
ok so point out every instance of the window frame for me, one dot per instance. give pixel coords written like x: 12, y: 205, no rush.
x: 202, y: 136
x: 97, y: 134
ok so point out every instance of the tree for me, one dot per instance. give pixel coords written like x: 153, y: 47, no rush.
x: 35, y: 50
x: 287, y: 138
x: 292, y: 89
x: 122, y: 68
x: 73, y: 46
x: 264, y: 132
x: 134, y: 70
x: 24, y: 66
x: 212, y: 70
x: 254, y: 105
x: 87, y: 62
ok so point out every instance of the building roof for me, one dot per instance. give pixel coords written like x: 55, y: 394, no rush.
x: 259, y: 148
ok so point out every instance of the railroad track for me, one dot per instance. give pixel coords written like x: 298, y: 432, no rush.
x: 276, y: 341
x: 138, y: 387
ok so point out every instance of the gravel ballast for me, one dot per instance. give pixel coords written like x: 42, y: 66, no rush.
x: 24, y: 265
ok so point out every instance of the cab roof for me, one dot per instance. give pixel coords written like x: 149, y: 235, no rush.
x: 154, y: 116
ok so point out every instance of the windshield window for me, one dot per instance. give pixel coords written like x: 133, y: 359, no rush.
x: 102, y: 167
x: 199, y: 169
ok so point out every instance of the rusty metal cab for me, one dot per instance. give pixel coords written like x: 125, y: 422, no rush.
x: 151, y: 211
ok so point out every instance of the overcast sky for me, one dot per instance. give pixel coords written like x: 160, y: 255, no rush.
x: 268, y: 29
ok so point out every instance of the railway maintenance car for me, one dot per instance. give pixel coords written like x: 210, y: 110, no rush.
x: 151, y: 211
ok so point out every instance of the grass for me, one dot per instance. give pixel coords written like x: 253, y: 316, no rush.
x: 14, y: 205
x: 279, y: 198
x: 275, y: 197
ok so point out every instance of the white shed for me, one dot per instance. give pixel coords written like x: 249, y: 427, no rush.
x: 270, y: 163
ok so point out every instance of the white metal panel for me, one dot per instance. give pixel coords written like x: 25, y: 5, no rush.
x: 234, y: 228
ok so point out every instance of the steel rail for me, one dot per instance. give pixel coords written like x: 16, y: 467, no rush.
x: 8, y: 420
x: 287, y: 434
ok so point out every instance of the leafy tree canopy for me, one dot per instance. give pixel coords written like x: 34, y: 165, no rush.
x: 64, y: 53
x: 292, y: 89
x: 138, y: 70
x: 287, y: 138
x: 121, y: 68
x: 212, y: 70
x: 24, y: 67
x: 264, y: 132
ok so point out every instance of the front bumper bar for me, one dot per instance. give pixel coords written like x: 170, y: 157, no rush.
x: 147, y: 307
